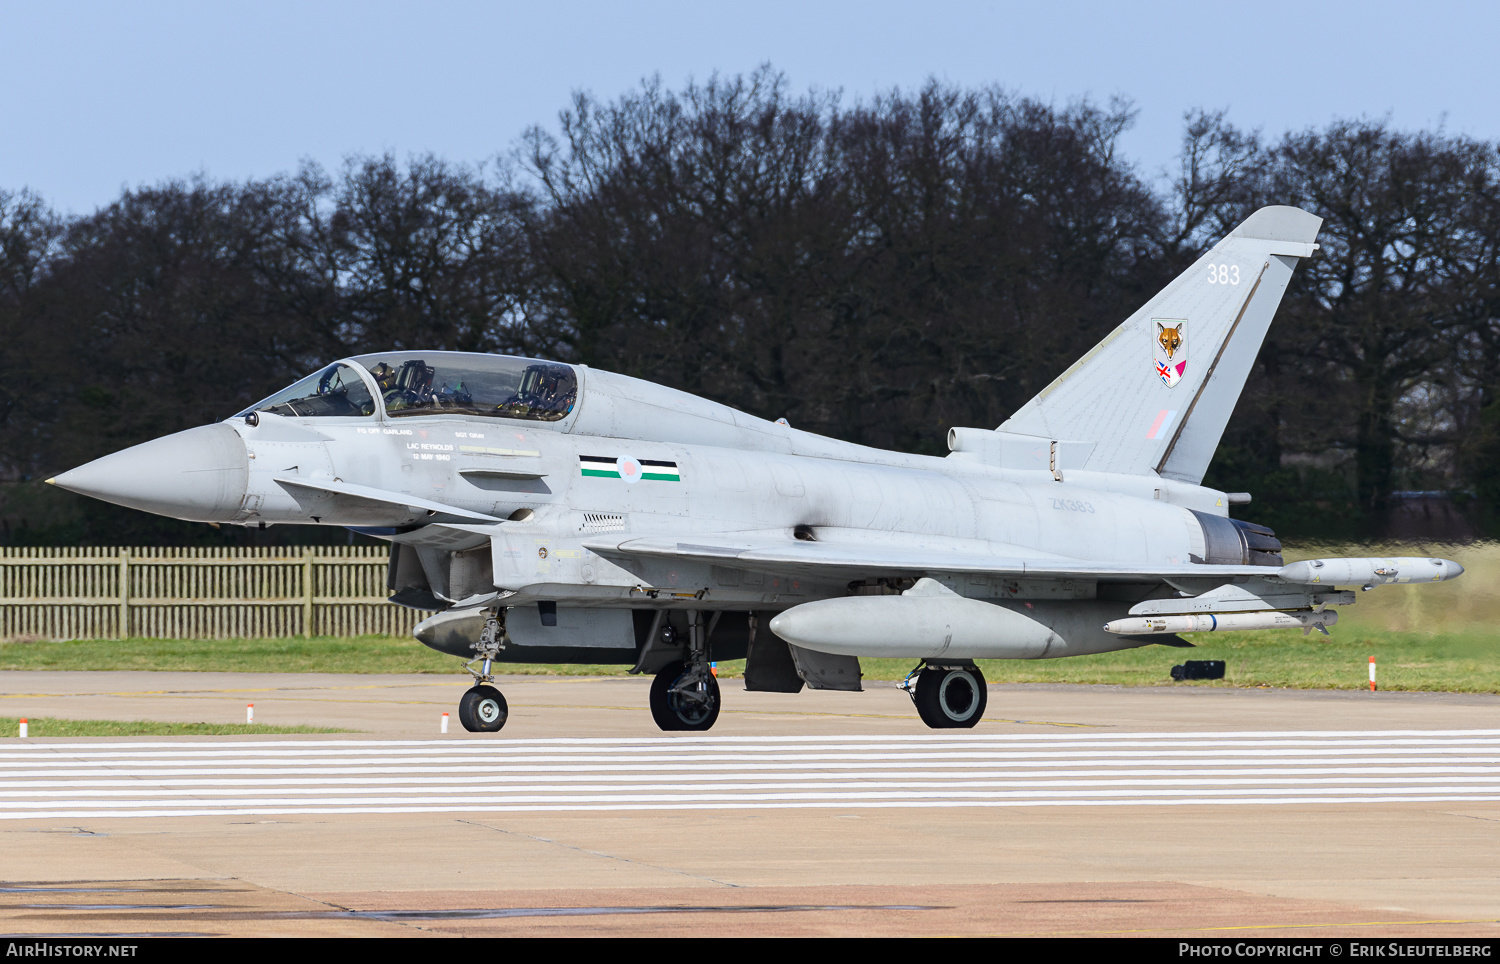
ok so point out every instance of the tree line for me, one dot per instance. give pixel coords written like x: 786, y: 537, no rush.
x: 876, y: 271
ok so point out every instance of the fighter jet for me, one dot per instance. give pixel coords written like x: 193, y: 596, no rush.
x: 556, y: 513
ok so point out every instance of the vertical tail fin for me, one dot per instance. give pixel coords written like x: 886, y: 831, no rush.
x: 1155, y: 394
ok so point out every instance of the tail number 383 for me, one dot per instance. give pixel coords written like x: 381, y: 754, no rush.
x: 1223, y: 274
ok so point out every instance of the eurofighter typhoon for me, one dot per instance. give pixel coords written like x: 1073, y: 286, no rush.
x: 555, y: 513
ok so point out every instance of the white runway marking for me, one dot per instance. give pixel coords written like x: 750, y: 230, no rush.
x: 475, y: 775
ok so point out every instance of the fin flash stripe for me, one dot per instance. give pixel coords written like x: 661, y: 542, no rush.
x: 1163, y: 422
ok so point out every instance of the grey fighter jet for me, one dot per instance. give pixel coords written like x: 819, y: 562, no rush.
x: 547, y: 512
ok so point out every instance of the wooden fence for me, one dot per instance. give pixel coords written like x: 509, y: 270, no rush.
x: 171, y: 593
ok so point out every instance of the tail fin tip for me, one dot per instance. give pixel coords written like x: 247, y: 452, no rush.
x: 1279, y: 222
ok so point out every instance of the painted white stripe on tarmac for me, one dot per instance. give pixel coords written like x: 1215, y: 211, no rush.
x: 750, y: 744
x: 688, y: 796
x: 625, y: 758
x: 625, y: 766
x: 188, y: 778
x: 743, y: 744
x: 416, y: 775
x: 688, y: 790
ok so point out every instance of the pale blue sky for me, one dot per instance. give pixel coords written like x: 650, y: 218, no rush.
x: 97, y: 96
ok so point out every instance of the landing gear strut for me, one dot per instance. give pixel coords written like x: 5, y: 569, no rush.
x: 947, y: 695
x: 483, y: 709
x: 685, y: 696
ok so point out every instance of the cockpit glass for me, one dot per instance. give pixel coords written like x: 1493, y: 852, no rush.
x: 439, y: 383
x: 336, y: 390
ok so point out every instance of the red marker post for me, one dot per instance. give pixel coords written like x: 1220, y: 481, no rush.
x: 23, y: 727
x: 249, y: 712
x: 1372, y: 674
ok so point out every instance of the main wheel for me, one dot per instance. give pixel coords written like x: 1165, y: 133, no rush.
x: 679, y: 711
x: 482, y: 710
x: 950, y: 698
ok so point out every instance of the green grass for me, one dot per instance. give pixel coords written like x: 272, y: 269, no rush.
x: 1467, y: 662
x: 1443, y: 637
x: 318, y: 654
x: 1449, y: 662
x: 47, y: 726
x: 1456, y: 661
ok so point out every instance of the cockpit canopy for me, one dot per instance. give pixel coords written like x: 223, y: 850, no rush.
x: 434, y: 383
x: 428, y: 383
x: 336, y: 390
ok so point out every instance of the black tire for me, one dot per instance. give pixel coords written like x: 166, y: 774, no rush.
x: 482, y: 710
x: 672, y: 712
x: 951, y: 698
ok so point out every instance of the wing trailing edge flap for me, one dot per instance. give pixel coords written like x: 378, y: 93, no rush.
x: 368, y: 495
x: 777, y: 553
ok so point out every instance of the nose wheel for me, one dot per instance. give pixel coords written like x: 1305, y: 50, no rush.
x: 947, y: 697
x: 482, y: 709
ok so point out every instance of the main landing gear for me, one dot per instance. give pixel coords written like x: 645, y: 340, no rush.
x: 483, y: 709
x: 685, y: 695
x: 947, y: 695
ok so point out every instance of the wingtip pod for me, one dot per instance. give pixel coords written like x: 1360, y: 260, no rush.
x: 1369, y: 571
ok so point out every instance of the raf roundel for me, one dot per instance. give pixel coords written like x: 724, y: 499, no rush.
x: 629, y: 469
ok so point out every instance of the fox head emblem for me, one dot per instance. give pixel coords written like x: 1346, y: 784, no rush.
x: 1170, y: 338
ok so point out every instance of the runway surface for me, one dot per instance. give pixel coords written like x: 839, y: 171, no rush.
x: 182, y: 778
x: 1161, y: 811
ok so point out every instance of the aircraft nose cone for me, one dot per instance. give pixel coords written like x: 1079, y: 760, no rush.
x: 198, y: 475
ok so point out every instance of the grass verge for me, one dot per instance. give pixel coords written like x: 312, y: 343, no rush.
x: 1443, y: 637
x: 318, y: 654
x: 1466, y: 661
x: 1448, y: 662
x: 48, y: 726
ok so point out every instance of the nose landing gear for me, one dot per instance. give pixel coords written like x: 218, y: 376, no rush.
x: 949, y: 695
x: 483, y: 708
